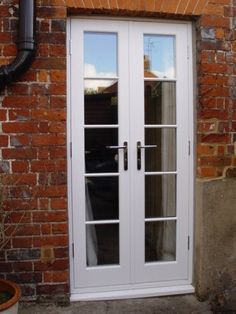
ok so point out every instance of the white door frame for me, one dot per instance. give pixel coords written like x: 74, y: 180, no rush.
x: 140, y: 290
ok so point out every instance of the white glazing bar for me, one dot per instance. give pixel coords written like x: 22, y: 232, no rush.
x: 160, y: 126
x: 91, y: 268
x: 158, y: 263
x: 101, y: 126
x: 101, y: 78
x: 108, y: 174
x: 156, y: 79
x: 160, y: 219
x: 102, y: 222
x: 152, y: 173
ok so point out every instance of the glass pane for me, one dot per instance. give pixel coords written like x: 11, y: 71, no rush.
x: 100, y: 54
x: 163, y: 157
x: 102, y: 198
x: 159, y: 56
x: 100, y: 101
x: 160, y: 196
x: 102, y: 244
x: 160, y: 102
x: 160, y: 241
x: 99, y: 158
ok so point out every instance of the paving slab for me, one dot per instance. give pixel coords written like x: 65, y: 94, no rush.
x: 186, y: 304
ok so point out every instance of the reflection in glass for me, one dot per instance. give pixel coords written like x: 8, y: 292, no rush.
x: 160, y: 241
x: 162, y: 158
x: 160, y: 196
x: 101, y: 101
x: 159, y: 56
x: 102, y: 244
x: 99, y: 158
x: 160, y: 102
x: 100, y: 54
x: 102, y: 198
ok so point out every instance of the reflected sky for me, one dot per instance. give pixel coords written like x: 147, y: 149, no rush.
x: 159, y: 52
x: 100, y: 54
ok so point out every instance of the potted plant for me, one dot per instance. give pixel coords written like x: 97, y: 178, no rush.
x: 9, y: 291
x: 9, y: 297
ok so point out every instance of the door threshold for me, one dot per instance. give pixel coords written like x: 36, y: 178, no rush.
x: 132, y: 294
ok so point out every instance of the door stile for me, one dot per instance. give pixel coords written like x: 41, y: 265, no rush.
x: 136, y: 134
x: 77, y: 122
x: 110, y: 274
x: 176, y: 269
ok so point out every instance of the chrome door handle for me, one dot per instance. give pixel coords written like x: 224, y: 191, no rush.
x: 139, y: 147
x: 116, y: 147
x: 125, y: 148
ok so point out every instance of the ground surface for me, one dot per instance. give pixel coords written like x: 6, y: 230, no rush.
x: 168, y: 305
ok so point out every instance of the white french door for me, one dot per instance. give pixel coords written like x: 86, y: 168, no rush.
x: 130, y: 101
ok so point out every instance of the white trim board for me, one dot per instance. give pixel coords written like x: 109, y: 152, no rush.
x: 132, y: 294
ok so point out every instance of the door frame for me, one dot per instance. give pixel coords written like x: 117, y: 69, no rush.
x: 139, y: 290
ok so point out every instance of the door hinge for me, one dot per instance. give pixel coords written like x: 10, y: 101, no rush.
x: 73, y: 250
x: 188, y: 243
x: 70, y: 47
x: 189, y: 148
x: 187, y: 52
x: 70, y: 149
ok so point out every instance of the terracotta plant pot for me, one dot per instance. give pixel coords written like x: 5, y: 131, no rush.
x: 10, y: 306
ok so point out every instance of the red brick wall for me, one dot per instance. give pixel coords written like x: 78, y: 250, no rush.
x: 33, y: 141
x: 216, y: 106
x: 33, y: 115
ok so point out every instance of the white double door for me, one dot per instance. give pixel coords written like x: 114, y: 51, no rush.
x: 129, y: 96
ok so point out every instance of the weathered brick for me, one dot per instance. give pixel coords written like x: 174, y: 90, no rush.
x: 23, y: 254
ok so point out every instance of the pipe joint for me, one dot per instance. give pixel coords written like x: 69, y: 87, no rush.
x: 26, y: 44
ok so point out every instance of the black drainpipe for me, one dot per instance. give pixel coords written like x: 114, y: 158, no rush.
x: 26, y: 44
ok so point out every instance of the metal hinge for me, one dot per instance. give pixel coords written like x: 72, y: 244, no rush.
x: 70, y: 47
x: 187, y: 52
x: 189, y: 148
x: 70, y: 149
x: 188, y: 242
x: 73, y: 250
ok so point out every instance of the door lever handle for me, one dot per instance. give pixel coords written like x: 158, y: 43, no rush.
x: 116, y: 147
x: 139, y: 154
x: 125, y: 148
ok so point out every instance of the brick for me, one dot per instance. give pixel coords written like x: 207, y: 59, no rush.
x: 20, y: 127
x: 19, y: 114
x: 49, y: 115
x: 5, y: 267
x: 205, y: 150
x: 4, y: 166
x: 215, y: 21
x: 214, y: 9
x: 207, y: 172
x: 42, y: 140
x: 49, y: 289
x: 48, y: 165
x: 58, y: 203
x: 19, y: 153
x: 22, y: 266
x: 23, y: 254
x: 3, y: 140
x: 49, y: 216
x: 20, y: 166
x: 59, y: 276
x: 215, y: 161
x: 55, y: 240
x: 19, y: 101
x: 28, y: 277
x: 215, y: 138
x: 56, y: 265
x: 61, y: 228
